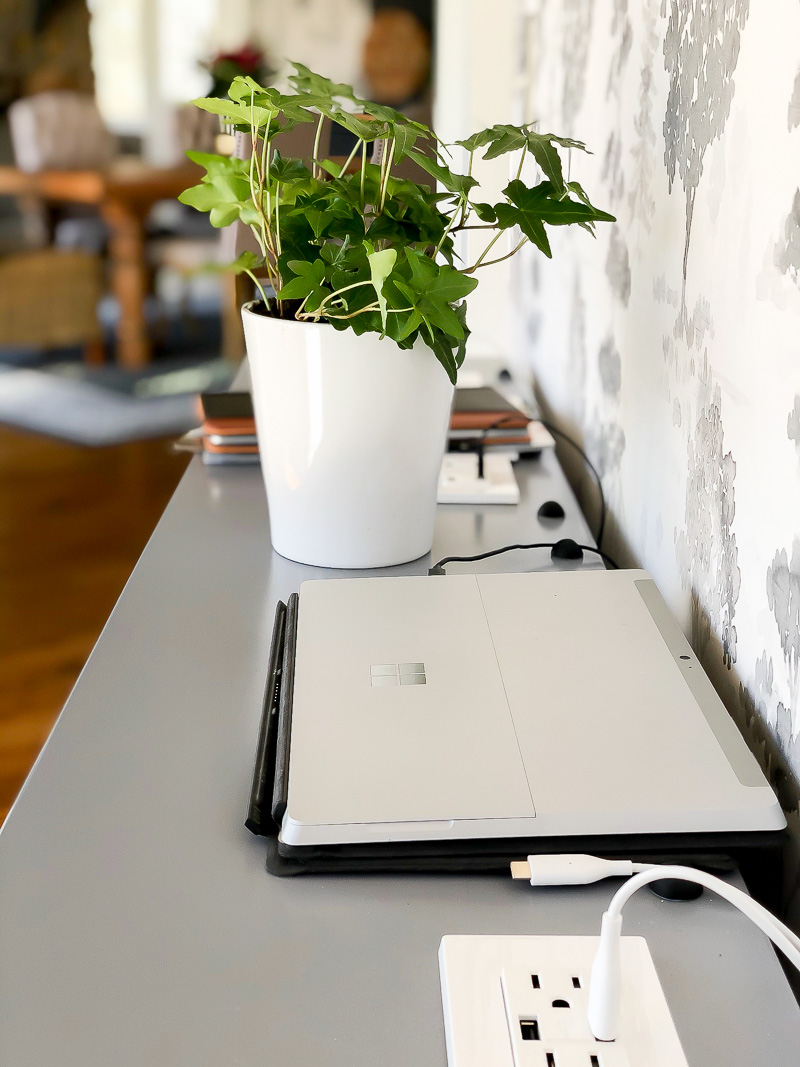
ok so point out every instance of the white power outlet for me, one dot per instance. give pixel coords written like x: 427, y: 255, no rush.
x: 521, y: 1002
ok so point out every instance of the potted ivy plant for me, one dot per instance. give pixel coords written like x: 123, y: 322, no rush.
x: 355, y: 343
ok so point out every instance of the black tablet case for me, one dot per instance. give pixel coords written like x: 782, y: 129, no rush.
x: 757, y: 854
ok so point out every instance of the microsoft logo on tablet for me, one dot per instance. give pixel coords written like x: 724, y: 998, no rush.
x: 397, y: 674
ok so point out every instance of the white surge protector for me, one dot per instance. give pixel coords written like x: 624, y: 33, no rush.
x: 459, y: 482
x: 522, y: 1002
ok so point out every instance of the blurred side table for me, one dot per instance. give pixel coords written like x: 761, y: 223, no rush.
x: 124, y: 194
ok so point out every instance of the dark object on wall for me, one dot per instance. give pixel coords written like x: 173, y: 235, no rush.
x: 423, y: 9
x: 60, y: 55
x: 44, y: 44
x: 397, y: 55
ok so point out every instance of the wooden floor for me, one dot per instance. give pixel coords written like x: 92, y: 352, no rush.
x: 73, y: 522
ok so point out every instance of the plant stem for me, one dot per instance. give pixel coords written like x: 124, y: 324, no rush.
x: 265, y: 155
x: 387, y: 175
x: 256, y: 196
x: 483, y: 254
x: 363, y: 171
x: 278, y: 216
x: 259, y: 287
x: 299, y: 313
x: 265, y: 170
x: 465, y: 207
x: 521, y: 163
x: 330, y: 296
x: 316, y: 145
x: 384, y: 157
x: 448, y: 228
x: 351, y: 315
x: 350, y: 158
x: 262, y: 238
x: 500, y: 259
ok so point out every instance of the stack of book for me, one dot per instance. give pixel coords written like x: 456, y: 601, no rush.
x: 482, y: 417
x: 481, y: 420
x: 229, y: 429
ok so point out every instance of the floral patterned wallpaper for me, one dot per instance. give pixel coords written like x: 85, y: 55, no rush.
x: 672, y: 342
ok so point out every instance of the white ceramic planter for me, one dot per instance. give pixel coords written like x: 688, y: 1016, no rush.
x: 351, y: 432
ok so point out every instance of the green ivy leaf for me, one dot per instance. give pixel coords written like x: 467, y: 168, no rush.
x: 380, y: 267
x: 485, y: 212
x: 224, y: 191
x: 405, y: 137
x: 554, y: 210
x: 247, y: 261
x: 203, y: 197
x: 478, y: 140
x: 454, y: 183
x: 443, y: 350
x: 506, y: 139
x: 423, y: 269
x: 543, y: 148
x: 431, y: 289
x: 287, y: 170
x: 293, y: 109
x: 500, y: 139
x: 238, y: 114
x: 546, y: 155
x: 578, y: 190
x: 529, y: 222
x: 307, y: 81
x: 243, y: 87
x: 411, y: 325
x: 391, y: 115
x: 308, y: 280
x: 335, y: 256
x: 330, y: 167
x: 445, y: 284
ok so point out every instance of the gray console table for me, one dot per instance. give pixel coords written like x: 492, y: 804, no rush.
x: 138, y: 926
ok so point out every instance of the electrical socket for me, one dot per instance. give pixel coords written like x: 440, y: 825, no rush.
x: 522, y: 1002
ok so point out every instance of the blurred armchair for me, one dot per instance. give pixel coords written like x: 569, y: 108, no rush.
x: 59, y: 130
x: 49, y: 298
x: 49, y: 295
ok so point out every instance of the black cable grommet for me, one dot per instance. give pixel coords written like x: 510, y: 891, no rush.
x: 566, y: 548
x: 676, y: 889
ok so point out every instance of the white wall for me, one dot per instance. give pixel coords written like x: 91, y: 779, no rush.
x: 672, y: 342
x: 476, y: 73
x: 147, y: 53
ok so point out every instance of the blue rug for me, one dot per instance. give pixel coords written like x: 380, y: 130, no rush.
x: 108, y: 406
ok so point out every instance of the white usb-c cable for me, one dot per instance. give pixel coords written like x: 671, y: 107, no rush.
x: 605, y: 982
x: 574, y: 869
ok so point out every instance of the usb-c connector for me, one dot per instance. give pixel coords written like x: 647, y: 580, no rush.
x: 570, y: 869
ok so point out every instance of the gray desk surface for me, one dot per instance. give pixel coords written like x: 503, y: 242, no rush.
x: 138, y: 925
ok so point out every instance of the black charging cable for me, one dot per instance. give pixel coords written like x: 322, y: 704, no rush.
x: 566, y: 549
x: 478, y: 444
x: 565, y: 436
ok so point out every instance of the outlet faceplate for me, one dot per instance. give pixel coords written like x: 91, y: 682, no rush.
x: 521, y: 1002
